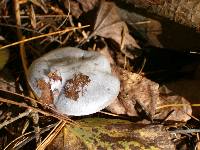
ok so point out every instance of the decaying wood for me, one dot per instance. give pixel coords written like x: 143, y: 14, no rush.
x: 185, y: 12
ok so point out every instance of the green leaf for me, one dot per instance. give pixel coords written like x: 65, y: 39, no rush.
x: 100, y: 133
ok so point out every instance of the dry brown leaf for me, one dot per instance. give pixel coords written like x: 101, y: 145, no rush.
x: 73, y: 7
x: 176, y: 112
x: 109, y: 25
x: 148, y: 28
x: 153, y: 30
x: 88, y: 5
x: 136, y: 89
x: 117, y: 107
x: 189, y: 89
x: 77, y: 8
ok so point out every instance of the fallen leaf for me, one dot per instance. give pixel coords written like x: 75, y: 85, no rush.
x: 100, y: 133
x: 88, y: 5
x: 109, y: 25
x: 189, y: 89
x: 137, y: 89
x: 180, y: 109
x: 77, y: 8
x: 148, y: 29
x: 155, y: 102
x: 73, y: 7
x: 117, y: 107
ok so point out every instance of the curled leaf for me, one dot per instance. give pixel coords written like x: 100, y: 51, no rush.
x: 77, y: 8
x: 137, y: 89
x: 109, y: 25
x: 172, y: 106
x: 155, y: 102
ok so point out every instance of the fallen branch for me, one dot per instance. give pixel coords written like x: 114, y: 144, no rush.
x: 185, y: 12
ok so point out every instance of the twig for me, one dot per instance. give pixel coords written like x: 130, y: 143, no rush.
x: 6, y: 99
x: 58, y: 116
x: 34, y: 115
x: 41, y: 36
x: 6, y: 122
x: 143, y: 64
x: 182, y: 131
x: 20, y: 27
x: 25, y: 138
x: 110, y: 114
x: 172, y: 105
x: 54, y: 114
x: 38, y: 16
x: 143, y: 22
x: 51, y: 135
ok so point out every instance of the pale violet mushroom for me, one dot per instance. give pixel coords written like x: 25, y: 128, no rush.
x: 80, y: 82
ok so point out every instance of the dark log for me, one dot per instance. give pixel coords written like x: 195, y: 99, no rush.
x: 185, y: 12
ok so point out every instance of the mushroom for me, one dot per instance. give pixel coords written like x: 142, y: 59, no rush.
x: 74, y: 81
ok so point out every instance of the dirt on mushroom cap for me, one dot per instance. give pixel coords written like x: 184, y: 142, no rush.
x: 76, y: 85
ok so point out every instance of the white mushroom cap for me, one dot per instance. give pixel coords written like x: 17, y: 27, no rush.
x: 84, y: 83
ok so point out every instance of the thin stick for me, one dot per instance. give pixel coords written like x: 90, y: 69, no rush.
x: 182, y: 131
x: 20, y: 27
x: 143, y: 64
x: 51, y: 135
x: 20, y: 141
x: 34, y: 115
x: 6, y: 122
x: 19, y: 96
x: 60, y: 117
x: 172, y: 105
x: 110, y: 114
x: 38, y: 16
x: 44, y: 35
x: 177, y: 105
x: 54, y: 114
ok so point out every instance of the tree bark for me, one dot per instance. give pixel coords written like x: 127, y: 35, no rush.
x: 185, y: 12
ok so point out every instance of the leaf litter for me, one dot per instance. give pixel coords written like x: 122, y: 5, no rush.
x: 108, y: 24
x: 139, y: 96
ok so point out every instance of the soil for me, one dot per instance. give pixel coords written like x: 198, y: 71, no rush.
x: 75, y: 85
